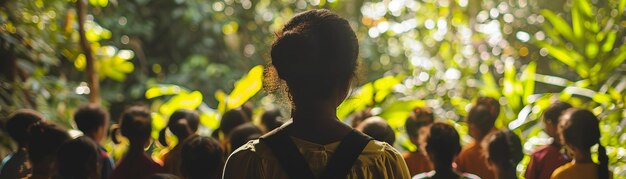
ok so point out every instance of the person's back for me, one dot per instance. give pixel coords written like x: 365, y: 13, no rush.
x: 78, y: 158
x: 183, y: 123
x: 136, y: 125
x: 202, y: 158
x: 315, y: 55
x: 93, y: 121
x: 17, y: 126
x: 416, y: 126
x: 443, y: 145
x: 580, y: 130
x: 480, y: 119
x: 545, y: 159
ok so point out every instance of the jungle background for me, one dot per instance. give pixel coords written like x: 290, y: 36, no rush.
x: 210, y: 55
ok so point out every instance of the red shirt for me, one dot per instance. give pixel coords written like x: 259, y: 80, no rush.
x: 544, y: 161
x: 137, y: 167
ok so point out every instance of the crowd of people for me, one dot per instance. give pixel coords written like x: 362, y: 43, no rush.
x: 313, y: 143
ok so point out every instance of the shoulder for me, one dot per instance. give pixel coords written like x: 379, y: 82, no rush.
x: 378, y: 149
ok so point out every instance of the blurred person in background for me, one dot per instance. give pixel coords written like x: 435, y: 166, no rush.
x: 503, y: 150
x: 416, y: 126
x: 18, y: 127
x: 93, y: 121
x: 183, y: 123
x: 549, y: 157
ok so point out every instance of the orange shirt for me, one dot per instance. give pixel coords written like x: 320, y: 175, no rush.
x: 578, y: 170
x: 417, y: 162
x: 472, y: 160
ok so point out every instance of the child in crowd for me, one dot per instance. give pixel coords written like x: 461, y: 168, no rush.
x: 230, y: 120
x: 503, y: 150
x: 183, y: 123
x: 78, y: 158
x: 93, y: 121
x: 271, y: 119
x: 443, y: 145
x: 136, y: 125
x: 242, y: 134
x: 416, y: 125
x: 481, y: 120
x: 17, y: 126
x: 202, y: 158
x: 45, y: 140
x: 377, y: 128
x: 547, y: 158
x: 579, y: 130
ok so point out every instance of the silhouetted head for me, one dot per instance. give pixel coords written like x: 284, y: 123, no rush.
x: 442, y: 144
x: 78, y: 158
x: 136, y: 125
x: 202, y: 158
x: 45, y: 140
x: 579, y: 130
x: 378, y: 129
x: 480, y: 120
x: 19, y: 123
x: 316, y: 53
x: 360, y: 116
x: 418, y: 119
x: 231, y: 119
x: 503, y: 150
x: 271, y: 119
x: 551, y: 117
x: 182, y: 124
x: 92, y: 121
x: 242, y: 134
x: 491, y: 103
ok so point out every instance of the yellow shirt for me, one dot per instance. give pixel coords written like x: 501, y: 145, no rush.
x: 578, y: 170
x: 255, y: 160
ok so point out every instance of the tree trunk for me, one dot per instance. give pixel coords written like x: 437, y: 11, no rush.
x: 92, y: 74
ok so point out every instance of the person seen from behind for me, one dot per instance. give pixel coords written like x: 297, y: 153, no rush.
x: 93, y: 121
x: 136, y: 126
x: 202, y: 158
x: 230, y: 120
x: 416, y: 126
x: 481, y: 121
x: 271, y: 119
x: 45, y: 141
x: 78, y: 158
x: 547, y: 158
x: 315, y: 54
x: 442, y: 144
x: 579, y: 130
x: 18, y: 125
x: 503, y: 150
x: 183, y: 123
x: 242, y: 134
x: 377, y: 128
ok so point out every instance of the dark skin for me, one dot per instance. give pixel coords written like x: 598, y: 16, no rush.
x: 315, y: 120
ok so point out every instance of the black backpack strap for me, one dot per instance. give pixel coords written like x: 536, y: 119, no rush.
x: 287, y: 154
x: 345, y: 155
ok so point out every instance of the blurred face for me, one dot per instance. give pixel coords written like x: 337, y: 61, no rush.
x: 551, y: 129
x: 473, y: 131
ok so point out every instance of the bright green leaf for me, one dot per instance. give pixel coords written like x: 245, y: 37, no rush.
x: 246, y: 87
